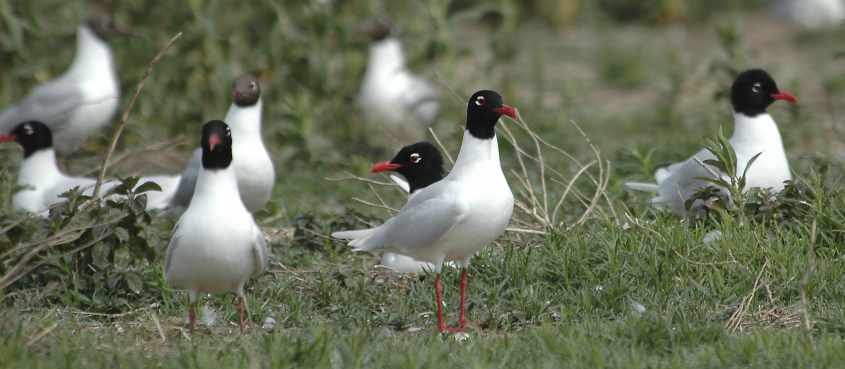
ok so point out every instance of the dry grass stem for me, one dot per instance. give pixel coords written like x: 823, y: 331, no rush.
x: 735, y: 322
x: 154, y: 147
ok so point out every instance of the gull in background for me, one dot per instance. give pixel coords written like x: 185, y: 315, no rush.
x: 755, y: 132
x: 399, y: 103
x: 252, y: 164
x: 420, y: 165
x: 41, y: 181
x: 80, y: 102
x: 811, y: 14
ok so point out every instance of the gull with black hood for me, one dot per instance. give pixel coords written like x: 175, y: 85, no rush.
x: 755, y: 132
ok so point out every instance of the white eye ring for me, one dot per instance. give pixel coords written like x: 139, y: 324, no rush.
x: 415, y: 158
x: 479, y: 101
x: 27, y: 129
x: 756, y: 87
x: 252, y: 85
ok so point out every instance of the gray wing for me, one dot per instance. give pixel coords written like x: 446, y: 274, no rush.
x: 259, y: 250
x: 185, y: 190
x: 423, y: 100
x: 683, y: 181
x: 174, y: 243
x: 417, y: 226
x: 51, y: 103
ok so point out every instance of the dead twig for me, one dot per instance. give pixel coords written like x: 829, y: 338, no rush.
x: 117, y: 315
x: 440, y: 144
x: 157, y: 146
x: 349, y: 176
x: 735, y: 321
x: 43, y: 333
x: 157, y: 323
x: 125, y: 117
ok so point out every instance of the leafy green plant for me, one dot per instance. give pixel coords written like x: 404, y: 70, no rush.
x: 725, y: 176
x: 102, y: 253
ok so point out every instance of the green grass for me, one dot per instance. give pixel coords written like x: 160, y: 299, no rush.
x: 636, y: 290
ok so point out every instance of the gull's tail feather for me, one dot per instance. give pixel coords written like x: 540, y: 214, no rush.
x: 358, y: 239
x: 661, y: 174
x: 641, y: 186
x: 352, y: 235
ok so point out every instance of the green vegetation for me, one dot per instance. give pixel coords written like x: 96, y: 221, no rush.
x: 624, y: 286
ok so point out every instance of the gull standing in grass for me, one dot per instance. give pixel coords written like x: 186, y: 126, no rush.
x: 455, y: 217
x: 41, y: 181
x: 420, y: 165
x: 755, y: 132
x: 252, y: 164
x: 811, y: 14
x: 391, y: 94
x: 216, y: 245
x: 81, y: 101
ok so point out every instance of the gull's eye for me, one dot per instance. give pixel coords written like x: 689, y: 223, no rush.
x: 480, y: 101
x: 27, y: 130
x: 756, y: 87
x: 228, y: 132
x: 252, y: 85
x: 415, y: 158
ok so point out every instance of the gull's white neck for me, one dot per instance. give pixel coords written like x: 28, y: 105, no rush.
x: 39, y: 168
x: 216, y: 186
x: 757, y: 130
x: 476, y: 151
x: 245, y: 122
x: 386, y: 57
x: 93, y: 55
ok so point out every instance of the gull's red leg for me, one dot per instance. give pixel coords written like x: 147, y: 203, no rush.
x: 438, y: 299
x: 242, y: 312
x: 192, y: 316
x: 462, y: 320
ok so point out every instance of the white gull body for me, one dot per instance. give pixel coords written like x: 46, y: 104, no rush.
x: 398, y: 262
x: 451, y: 219
x: 77, y: 104
x: 252, y: 163
x: 216, y: 245
x: 392, y: 95
x: 752, y: 135
x: 811, y: 14
x: 42, y: 182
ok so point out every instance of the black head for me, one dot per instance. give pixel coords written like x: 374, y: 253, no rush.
x: 102, y: 25
x: 754, y: 90
x: 246, y: 90
x: 421, y: 164
x: 379, y: 29
x: 484, y: 109
x: 32, y: 136
x: 216, y: 145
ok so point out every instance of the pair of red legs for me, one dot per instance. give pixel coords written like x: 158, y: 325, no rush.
x: 438, y: 299
x: 192, y: 314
